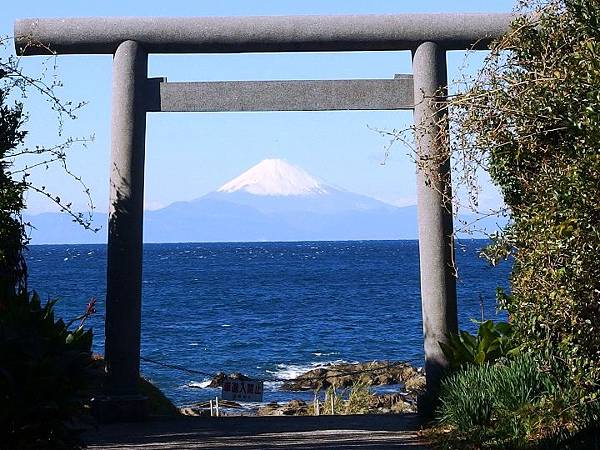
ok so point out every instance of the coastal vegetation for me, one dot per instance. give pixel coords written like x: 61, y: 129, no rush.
x: 493, y: 341
x: 47, y: 371
x: 531, y: 118
x: 47, y: 374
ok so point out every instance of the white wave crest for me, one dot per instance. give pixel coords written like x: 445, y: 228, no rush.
x: 200, y: 384
x: 291, y: 371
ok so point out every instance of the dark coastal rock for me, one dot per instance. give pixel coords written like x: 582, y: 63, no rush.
x: 415, y: 384
x: 374, y: 373
x: 271, y: 409
x: 218, y: 379
x: 295, y: 408
x: 394, y: 402
x: 291, y: 408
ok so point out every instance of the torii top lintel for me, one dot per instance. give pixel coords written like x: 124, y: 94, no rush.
x: 102, y: 35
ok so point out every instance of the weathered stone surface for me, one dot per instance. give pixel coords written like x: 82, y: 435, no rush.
x: 125, y: 218
x: 373, y: 32
x: 286, y: 95
x: 375, y: 373
x: 271, y: 409
x: 434, y: 205
x: 295, y: 408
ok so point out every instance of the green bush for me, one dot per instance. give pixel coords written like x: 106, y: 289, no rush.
x: 492, y: 341
x: 533, y: 116
x: 466, y: 400
x: 359, y: 399
x: 13, y: 238
x: 516, y: 404
x: 47, y: 373
x: 497, y: 404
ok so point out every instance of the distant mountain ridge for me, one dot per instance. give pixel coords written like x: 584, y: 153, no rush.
x: 272, y: 201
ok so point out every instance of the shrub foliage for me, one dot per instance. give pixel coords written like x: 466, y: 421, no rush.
x: 492, y: 342
x: 533, y: 116
x: 12, y: 232
x: 521, y: 403
x: 46, y: 374
x: 479, y: 395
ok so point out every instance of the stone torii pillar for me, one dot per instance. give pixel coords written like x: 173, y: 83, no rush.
x: 434, y: 206
x: 125, y: 223
x: 130, y: 40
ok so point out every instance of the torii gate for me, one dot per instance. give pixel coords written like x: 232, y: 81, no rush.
x: 130, y: 40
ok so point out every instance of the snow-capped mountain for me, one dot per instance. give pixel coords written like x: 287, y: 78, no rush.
x: 277, y: 201
x: 272, y: 201
x: 275, y: 186
x: 275, y: 177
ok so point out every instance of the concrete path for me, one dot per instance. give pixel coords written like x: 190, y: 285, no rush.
x: 324, y: 432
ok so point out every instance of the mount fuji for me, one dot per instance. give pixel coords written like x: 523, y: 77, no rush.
x: 272, y: 201
x: 276, y: 201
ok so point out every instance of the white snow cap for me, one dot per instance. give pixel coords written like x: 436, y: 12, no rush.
x: 275, y: 177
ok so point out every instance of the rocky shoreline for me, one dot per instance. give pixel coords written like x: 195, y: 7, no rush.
x: 347, y: 388
x: 373, y: 373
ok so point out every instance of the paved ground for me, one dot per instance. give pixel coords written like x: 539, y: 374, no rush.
x: 324, y: 432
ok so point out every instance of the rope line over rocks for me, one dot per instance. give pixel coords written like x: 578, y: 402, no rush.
x: 176, y: 367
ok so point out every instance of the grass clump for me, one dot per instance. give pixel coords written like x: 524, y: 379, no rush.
x: 359, y: 399
x: 354, y: 400
x: 513, y: 404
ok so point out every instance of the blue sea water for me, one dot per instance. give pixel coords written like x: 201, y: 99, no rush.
x: 269, y: 310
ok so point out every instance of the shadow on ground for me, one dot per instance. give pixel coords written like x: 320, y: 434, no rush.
x: 324, y: 432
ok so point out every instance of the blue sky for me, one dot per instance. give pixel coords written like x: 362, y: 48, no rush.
x: 188, y: 155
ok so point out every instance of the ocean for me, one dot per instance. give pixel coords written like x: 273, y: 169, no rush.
x: 269, y: 310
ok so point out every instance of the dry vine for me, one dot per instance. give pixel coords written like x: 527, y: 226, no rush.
x: 45, y: 84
